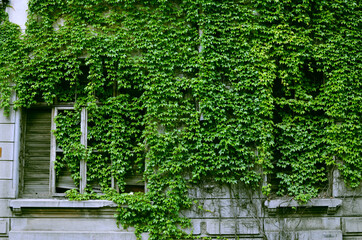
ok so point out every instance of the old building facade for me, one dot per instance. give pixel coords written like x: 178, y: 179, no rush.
x: 31, y: 209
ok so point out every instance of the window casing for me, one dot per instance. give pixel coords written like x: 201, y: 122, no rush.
x: 56, y: 151
x: 56, y: 181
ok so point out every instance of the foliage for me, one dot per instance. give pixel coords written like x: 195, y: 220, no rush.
x: 195, y: 89
x: 10, y: 44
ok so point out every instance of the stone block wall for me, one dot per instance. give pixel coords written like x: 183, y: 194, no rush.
x: 9, y: 126
x: 236, y: 213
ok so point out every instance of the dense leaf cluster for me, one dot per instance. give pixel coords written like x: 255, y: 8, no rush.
x: 195, y: 89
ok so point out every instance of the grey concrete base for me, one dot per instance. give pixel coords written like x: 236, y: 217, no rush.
x: 305, y: 235
x: 352, y: 225
x: 3, y: 226
x: 66, y: 235
x: 63, y: 224
x: 4, y: 208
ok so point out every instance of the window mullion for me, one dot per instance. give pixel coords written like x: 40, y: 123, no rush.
x: 53, y: 146
x: 83, y: 140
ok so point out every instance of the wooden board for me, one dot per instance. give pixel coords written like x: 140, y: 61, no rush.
x: 37, y: 153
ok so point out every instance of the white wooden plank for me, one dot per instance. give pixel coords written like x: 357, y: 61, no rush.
x: 83, y: 165
x: 53, y: 146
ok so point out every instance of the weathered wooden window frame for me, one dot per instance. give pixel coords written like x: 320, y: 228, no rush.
x: 83, y: 165
x: 54, y: 150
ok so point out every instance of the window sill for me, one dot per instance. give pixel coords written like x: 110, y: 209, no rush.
x: 18, y: 204
x: 332, y: 204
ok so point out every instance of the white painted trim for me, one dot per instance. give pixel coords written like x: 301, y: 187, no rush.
x: 52, y: 153
x: 17, y: 146
x: 83, y: 140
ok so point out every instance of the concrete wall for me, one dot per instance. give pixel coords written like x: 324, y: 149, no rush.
x: 249, y: 216
x: 10, y: 139
x: 9, y: 126
x: 232, y: 212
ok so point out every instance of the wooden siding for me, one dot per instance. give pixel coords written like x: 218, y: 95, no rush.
x: 37, y: 153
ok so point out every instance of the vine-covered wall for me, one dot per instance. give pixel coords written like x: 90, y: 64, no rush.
x: 194, y: 90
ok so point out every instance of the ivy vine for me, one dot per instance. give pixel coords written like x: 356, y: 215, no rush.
x: 191, y: 90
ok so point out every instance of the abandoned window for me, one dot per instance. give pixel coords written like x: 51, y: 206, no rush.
x: 72, y: 137
x: 59, y: 150
x: 298, y: 118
